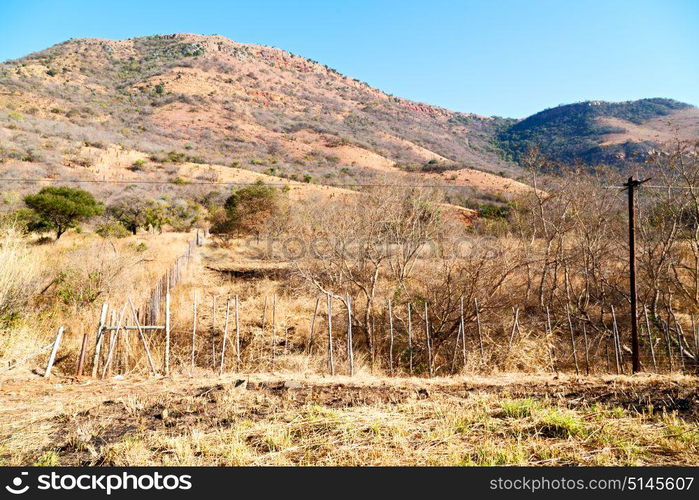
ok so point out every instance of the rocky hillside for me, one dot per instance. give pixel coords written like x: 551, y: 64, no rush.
x: 597, y: 132
x: 184, y: 98
x: 186, y: 109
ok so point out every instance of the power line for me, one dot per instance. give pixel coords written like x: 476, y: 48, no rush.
x: 651, y: 186
x: 295, y: 183
x: 232, y: 183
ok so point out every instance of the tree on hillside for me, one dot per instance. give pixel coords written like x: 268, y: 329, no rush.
x: 131, y: 211
x: 251, y: 210
x: 61, y: 208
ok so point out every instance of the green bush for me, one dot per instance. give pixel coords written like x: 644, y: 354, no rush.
x: 112, y: 229
x: 61, y: 208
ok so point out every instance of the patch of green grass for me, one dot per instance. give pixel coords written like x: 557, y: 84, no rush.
x: 48, y: 459
x: 506, y: 454
x: 518, y: 408
x: 554, y: 424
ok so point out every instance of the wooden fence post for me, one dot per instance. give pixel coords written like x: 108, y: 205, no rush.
x: 650, y: 338
x: 350, y: 348
x: 194, y: 331
x: 617, y: 348
x: 237, y: 336
x: 515, y: 326
x: 572, y: 341
x: 587, y: 350
x: 410, y: 340
x: 143, y: 338
x: 225, y: 338
x: 427, y: 340
x: 112, y: 341
x: 274, y: 330
x: 313, y: 326
x: 480, y: 333
x: 680, y: 336
x: 167, y: 334
x: 390, y: 329
x: 549, y: 332
x: 81, y: 357
x: 98, y: 340
x: 463, y: 334
x: 54, y: 350
x: 456, y: 349
x: 331, y: 360
x: 213, y: 332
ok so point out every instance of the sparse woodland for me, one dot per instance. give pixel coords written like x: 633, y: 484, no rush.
x: 542, y: 286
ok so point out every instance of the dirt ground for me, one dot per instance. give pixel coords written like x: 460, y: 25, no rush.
x: 306, y: 420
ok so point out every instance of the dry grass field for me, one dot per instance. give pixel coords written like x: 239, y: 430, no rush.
x: 291, y: 419
x: 295, y: 414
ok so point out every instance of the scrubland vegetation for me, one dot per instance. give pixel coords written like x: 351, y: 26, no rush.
x: 537, y: 279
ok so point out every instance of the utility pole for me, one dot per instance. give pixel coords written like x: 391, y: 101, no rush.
x: 631, y: 186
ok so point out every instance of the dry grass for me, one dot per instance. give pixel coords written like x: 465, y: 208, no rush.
x: 64, y: 283
x: 267, y: 421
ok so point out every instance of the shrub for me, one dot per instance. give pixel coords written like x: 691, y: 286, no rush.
x: 249, y: 210
x: 112, y: 229
x: 137, y: 165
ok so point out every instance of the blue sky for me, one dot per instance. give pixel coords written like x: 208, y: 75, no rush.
x: 507, y: 58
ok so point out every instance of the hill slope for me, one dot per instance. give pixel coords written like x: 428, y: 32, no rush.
x: 596, y: 132
x: 207, y: 99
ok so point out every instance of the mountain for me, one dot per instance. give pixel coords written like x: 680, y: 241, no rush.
x: 597, y: 132
x: 193, y: 99
x: 188, y: 109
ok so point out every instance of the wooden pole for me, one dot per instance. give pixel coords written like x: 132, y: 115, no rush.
x: 98, y: 340
x: 225, y: 338
x: 331, y: 360
x: 237, y: 336
x: 410, y: 340
x: 194, y: 333
x: 313, y: 327
x: 572, y: 341
x: 650, y: 338
x: 480, y: 333
x: 631, y: 186
x: 143, y: 337
x: 390, y: 329
x: 167, y: 334
x: 350, y: 347
x: 54, y: 350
